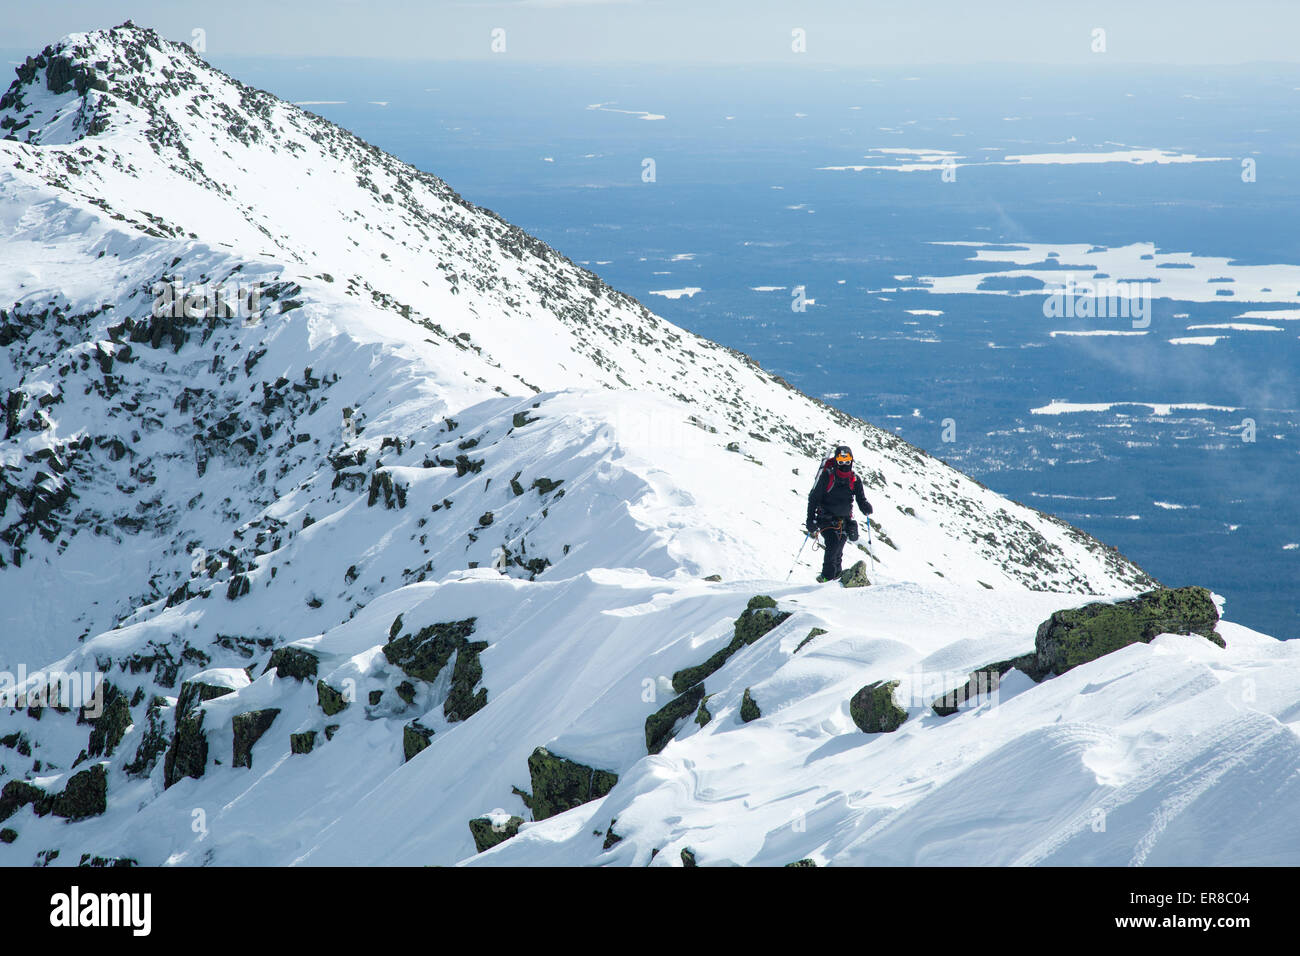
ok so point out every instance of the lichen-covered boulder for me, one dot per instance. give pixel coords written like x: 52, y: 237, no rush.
x: 980, y: 686
x: 491, y: 830
x: 194, y: 693
x: 813, y: 632
x: 331, y: 701
x: 759, y: 617
x: 1077, y: 635
x: 188, y: 754
x: 855, y: 577
x: 294, y: 662
x: 415, y: 738
x: 86, y: 795
x: 749, y: 708
x: 248, y: 728
x: 561, y: 784
x: 462, y: 700
x: 424, y: 654
x: 662, y: 724
x: 873, y: 708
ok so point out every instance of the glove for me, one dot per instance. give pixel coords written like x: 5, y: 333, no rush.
x: 870, y: 510
x: 811, y: 525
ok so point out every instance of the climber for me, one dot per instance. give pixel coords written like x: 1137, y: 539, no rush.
x: 830, y: 508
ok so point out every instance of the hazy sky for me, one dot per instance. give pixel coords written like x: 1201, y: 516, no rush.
x: 860, y: 32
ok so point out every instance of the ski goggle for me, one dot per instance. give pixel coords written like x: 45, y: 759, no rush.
x: 843, y: 458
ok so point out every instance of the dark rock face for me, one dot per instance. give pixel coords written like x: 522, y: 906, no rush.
x: 415, y: 738
x: 302, y: 743
x: 662, y: 724
x: 108, y: 729
x: 18, y: 794
x: 873, y: 708
x: 248, y: 730
x: 194, y: 693
x: 487, y: 834
x: 331, y: 701
x: 188, y: 754
x: 86, y: 795
x: 424, y: 654
x: 561, y: 784
x: 759, y: 617
x: 748, y: 708
x: 981, y: 684
x: 153, y: 742
x: 293, y: 662
x: 1078, y: 635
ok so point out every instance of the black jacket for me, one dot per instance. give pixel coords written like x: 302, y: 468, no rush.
x: 834, y: 495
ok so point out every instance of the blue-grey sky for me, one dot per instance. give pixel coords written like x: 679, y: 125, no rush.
x: 841, y: 32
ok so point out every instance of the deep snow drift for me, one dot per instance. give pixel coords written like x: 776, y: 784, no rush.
x: 432, y: 419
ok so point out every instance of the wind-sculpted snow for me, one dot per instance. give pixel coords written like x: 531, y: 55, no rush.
x: 391, y: 413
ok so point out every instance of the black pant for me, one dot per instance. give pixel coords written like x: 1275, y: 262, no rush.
x: 833, y: 538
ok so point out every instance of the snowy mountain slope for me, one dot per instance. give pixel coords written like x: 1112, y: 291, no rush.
x: 432, y: 417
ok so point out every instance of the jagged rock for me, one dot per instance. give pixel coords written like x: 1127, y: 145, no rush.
x: 188, y: 754
x: 331, y: 701
x: 108, y: 729
x: 759, y: 617
x: 17, y: 794
x: 561, y: 784
x: 8, y: 835
x: 978, y: 686
x: 424, y: 654
x: 610, y: 836
x: 302, y: 743
x: 248, y: 728
x: 873, y: 708
x: 295, y: 662
x: 662, y: 724
x: 1077, y: 635
x: 415, y: 737
x: 488, y: 834
x: 855, y: 577
x: 815, y: 632
x: 107, y: 861
x: 86, y: 795
x: 803, y: 862
x: 462, y: 702
x: 688, y: 857
x: 748, y: 708
x: 702, y: 715
x: 153, y: 742
x: 194, y: 693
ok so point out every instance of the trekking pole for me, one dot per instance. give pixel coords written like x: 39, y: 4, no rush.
x: 798, y: 553
x: 871, y: 549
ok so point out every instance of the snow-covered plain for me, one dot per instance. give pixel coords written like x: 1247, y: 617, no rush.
x: 433, y: 417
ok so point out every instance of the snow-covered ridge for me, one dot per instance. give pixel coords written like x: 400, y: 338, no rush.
x: 430, y: 417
